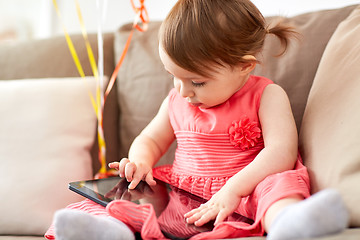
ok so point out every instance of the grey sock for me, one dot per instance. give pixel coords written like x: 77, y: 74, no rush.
x: 77, y: 225
x: 322, y: 214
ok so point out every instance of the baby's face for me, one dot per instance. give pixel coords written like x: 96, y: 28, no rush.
x: 205, y: 92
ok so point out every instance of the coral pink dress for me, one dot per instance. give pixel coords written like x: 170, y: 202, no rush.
x: 213, y: 145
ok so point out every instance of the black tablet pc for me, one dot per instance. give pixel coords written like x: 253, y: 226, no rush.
x: 103, y: 191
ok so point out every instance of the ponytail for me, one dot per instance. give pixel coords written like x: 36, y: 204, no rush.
x: 284, y: 32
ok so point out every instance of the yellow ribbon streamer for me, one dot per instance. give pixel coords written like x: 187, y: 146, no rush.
x: 141, y: 14
x: 101, y: 139
x: 96, y: 104
x: 75, y: 55
x: 92, y: 61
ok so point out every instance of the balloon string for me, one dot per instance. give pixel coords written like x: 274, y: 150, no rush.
x: 141, y: 14
x: 103, y: 172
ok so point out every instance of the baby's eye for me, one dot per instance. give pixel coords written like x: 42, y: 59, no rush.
x: 197, y: 84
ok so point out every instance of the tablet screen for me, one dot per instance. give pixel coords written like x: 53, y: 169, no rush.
x: 170, y: 203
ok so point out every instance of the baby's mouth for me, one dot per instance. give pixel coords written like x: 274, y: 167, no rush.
x: 195, y: 104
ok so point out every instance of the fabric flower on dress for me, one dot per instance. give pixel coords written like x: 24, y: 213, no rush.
x: 244, y: 134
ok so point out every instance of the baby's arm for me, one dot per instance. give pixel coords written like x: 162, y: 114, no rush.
x: 279, y: 154
x: 280, y: 141
x: 146, y: 149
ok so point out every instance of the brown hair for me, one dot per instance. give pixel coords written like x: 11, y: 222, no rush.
x: 200, y: 35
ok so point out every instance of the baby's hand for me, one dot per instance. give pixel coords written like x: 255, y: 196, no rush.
x: 134, y: 173
x: 219, y: 207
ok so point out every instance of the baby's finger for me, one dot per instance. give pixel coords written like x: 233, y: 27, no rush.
x: 194, y: 211
x: 195, y: 215
x: 130, y: 170
x: 149, y: 179
x: 189, y: 214
x: 134, y: 183
x: 122, y: 166
x: 222, y: 215
x: 205, y: 217
x: 138, y: 176
x: 114, y: 165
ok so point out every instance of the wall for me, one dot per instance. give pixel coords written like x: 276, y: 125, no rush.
x: 25, y: 19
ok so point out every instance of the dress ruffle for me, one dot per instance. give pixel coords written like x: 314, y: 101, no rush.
x: 203, y: 187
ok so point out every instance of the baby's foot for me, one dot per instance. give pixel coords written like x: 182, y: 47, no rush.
x: 77, y: 225
x: 322, y: 214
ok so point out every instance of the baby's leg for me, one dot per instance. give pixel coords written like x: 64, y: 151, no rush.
x: 322, y: 214
x: 78, y: 225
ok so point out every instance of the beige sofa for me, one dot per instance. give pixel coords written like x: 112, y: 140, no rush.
x: 48, y: 126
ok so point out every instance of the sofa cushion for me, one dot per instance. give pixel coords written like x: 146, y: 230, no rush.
x: 330, y: 130
x: 51, y: 58
x: 295, y: 70
x: 47, y: 129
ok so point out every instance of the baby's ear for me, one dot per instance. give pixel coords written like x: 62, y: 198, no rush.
x: 249, y: 65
